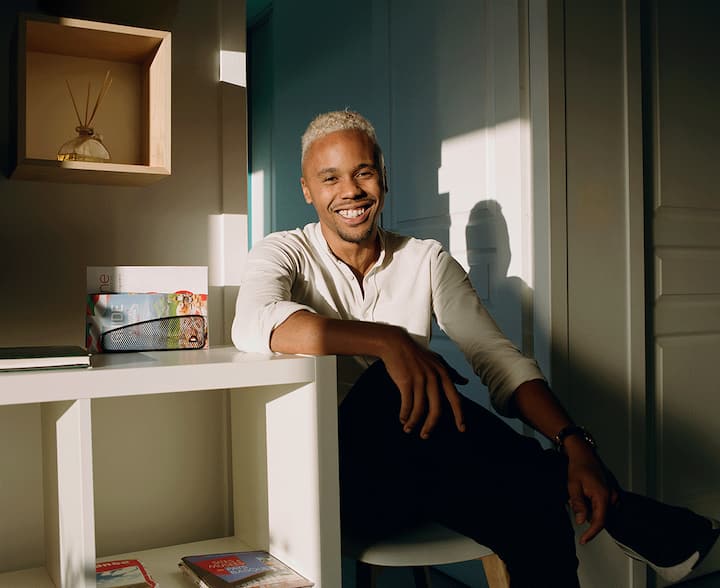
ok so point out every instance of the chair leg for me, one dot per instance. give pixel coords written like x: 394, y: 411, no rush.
x: 495, y: 571
x: 422, y: 576
x: 365, y: 575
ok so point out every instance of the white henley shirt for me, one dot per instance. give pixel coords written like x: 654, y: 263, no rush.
x: 412, y: 281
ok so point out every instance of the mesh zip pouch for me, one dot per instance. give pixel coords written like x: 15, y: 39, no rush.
x: 174, y: 332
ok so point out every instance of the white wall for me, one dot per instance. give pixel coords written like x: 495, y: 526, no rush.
x: 50, y: 232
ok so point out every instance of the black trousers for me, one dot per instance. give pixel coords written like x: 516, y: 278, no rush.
x: 491, y: 483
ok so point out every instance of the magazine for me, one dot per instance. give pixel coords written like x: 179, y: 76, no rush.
x: 123, y: 573
x: 241, y: 569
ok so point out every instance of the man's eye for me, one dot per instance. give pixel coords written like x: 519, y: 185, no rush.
x: 365, y: 174
x: 329, y: 179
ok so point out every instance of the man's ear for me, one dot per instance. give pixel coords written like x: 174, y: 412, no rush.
x: 305, y: 191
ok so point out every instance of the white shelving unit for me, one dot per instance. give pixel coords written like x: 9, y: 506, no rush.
x: 285, y: 498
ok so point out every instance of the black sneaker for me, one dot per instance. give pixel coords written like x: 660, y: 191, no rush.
x: 670, y: 539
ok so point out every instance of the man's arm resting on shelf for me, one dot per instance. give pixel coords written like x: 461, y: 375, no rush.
x: 420, y: 375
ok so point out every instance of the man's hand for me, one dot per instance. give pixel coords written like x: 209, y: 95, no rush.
x: 421, y: 375
x: 422, y: 378
x: 588, y: 487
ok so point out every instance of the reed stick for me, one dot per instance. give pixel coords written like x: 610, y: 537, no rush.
x: 105, y: 86
x: 86, y: 122
x: 73, y: 103
x: 87, y: 104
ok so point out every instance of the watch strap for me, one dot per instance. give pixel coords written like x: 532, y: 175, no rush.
x: 570, y: 430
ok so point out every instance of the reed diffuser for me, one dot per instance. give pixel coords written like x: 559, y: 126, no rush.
x: 87, y: 146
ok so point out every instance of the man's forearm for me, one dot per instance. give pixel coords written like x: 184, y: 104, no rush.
x: 538, y: 407
x: 312, y: 334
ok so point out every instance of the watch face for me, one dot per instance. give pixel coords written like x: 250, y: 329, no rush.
x: 573, y: 430
x: 589, y: 439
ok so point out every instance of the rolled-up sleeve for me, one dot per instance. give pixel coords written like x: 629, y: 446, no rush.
x: 264, y: 300
x: 493, y: 357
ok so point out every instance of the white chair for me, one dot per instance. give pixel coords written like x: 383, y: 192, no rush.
x: 419, y: 548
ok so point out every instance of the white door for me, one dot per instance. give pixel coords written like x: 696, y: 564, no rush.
x: 685, y: 213
x: 459, y: 151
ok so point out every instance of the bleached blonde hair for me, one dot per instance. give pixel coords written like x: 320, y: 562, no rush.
x: 342, y: 120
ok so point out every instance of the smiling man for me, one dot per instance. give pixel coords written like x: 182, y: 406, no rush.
x: 342, y: 180
x: 411, y: 447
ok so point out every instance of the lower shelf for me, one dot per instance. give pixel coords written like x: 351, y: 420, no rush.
x: 160, y: 562
x: 33, y: 578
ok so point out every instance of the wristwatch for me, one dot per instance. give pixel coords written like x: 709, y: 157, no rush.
x: 566, y: 432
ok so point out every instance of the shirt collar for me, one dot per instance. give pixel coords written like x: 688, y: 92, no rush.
x: 326, y: 248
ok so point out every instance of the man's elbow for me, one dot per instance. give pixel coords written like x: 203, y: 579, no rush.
x: 247, y: 338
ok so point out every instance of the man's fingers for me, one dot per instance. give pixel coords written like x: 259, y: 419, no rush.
x: 455, y: 400
x: 419, y: 405
x: 406, y: 403
x: 434, y: 408
x: 577, y: 502
x: 456, y: 405
x: 597, y: 523
x: 422, y: 386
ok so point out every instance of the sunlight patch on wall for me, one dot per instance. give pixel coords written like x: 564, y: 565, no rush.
x: 227, y: 248
x: 233, y: 69
x: 490, y: 165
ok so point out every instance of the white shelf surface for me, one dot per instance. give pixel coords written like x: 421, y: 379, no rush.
x: 33, y: 578
x: 130, y: 374
x: 162, y: 562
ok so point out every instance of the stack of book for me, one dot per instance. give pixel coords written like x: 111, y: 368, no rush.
x: 240, y: 569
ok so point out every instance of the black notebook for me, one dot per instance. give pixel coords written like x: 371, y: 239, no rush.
x: 43, y: 357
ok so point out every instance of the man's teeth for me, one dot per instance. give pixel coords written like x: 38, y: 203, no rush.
x: 352, y: 213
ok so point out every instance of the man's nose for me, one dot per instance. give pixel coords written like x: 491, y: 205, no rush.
x: 350, y: 188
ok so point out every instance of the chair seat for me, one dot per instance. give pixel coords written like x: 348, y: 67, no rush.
x: 428, y: 544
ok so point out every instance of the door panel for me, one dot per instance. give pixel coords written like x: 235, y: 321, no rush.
x: 459, y: 166
x: 686, y: 247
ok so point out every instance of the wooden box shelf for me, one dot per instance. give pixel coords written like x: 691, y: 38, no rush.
x: 134, y: 117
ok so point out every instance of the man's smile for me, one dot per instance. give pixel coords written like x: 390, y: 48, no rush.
x: 352, y: 212
x: 358, y: 215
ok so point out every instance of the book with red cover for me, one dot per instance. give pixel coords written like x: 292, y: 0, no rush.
x: 123, y: 573
x: 242, y: 569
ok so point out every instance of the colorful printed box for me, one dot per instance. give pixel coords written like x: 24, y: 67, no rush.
x: 144, y: 322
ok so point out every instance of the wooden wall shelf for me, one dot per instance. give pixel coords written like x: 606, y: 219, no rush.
x: 134, y: 117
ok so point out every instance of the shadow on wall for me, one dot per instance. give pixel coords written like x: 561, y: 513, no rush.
x: 488, y: 250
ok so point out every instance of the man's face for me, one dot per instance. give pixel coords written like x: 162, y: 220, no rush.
x: 342, y: 181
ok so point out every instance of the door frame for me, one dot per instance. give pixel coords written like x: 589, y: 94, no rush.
x: 598, y: 357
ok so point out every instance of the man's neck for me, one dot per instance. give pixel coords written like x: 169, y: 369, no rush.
x: 359, y: 257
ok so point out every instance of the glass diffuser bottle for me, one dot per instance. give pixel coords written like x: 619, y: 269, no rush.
x: 87, y: 146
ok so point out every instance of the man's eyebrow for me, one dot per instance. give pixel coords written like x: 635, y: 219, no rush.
x: 334, y: 170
